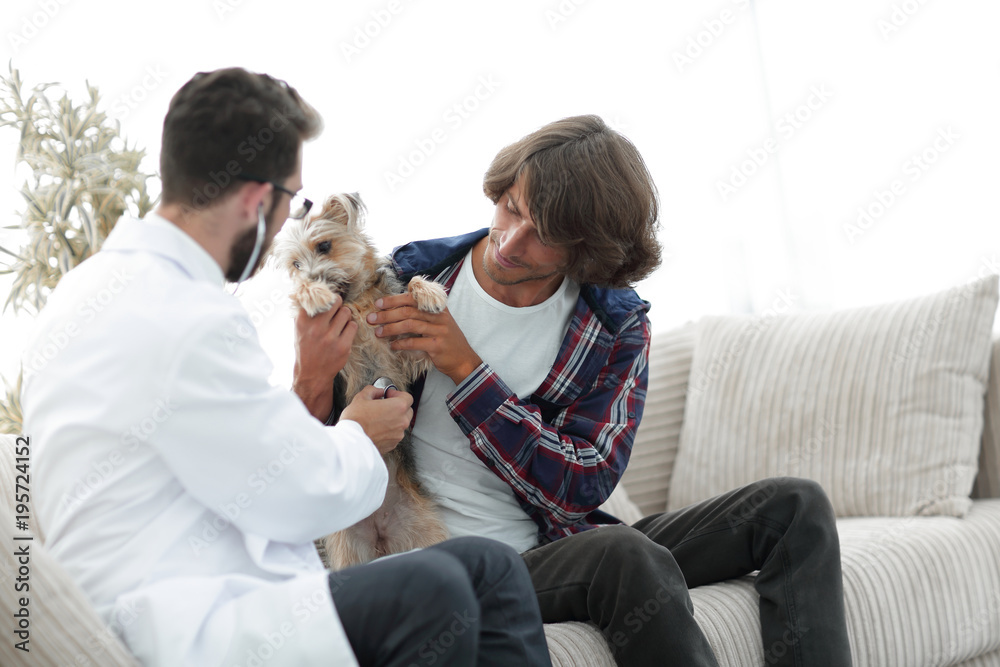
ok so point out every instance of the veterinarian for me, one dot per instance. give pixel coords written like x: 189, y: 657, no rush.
x: 526, y: 425
x: 181, y: 490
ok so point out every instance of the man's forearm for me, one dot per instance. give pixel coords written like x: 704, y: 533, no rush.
x: 316, y: 395
x: 566, y: 465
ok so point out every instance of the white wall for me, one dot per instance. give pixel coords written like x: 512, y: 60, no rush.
x: 873, y: 84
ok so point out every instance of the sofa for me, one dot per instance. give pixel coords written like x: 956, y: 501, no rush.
x: 893, y: 409
x: 922, y: 584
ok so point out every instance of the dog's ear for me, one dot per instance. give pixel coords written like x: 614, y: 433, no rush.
x: 345, y: 208
x: 355, y: 210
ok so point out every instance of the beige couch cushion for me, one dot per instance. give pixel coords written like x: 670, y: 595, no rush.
x: 918, y: 591
x: 883, y: 406
x: 574, y: 644
x: 922, y: 590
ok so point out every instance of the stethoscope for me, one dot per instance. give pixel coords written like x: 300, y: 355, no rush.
x: 258, y: 242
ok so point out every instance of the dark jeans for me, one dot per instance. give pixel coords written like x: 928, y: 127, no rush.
x: 466, y: 601
x: 632, y: 582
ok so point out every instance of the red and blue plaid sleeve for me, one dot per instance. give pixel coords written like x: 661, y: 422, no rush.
x: 562, y: 467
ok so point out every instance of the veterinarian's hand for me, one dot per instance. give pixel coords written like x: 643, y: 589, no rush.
x: 322, y: 344
x: 383, y: 419
x: 439, y: 334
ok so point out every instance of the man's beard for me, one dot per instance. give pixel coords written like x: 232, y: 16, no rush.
x: 240, y: 253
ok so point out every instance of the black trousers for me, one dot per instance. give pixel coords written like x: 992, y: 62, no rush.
x: 466, y: 601
x: 632, y: 581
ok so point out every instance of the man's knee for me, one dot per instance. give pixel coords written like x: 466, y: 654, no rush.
x: 437, y: 583
x: 478, y: 552
x: 789, y: 500
x: 624, y: 553
x: 488, y: 562
x: 476, y: 548
x: 623, y: 540
x: 805, y: 495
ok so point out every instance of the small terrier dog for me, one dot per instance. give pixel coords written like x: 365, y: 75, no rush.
x: 330, y: 254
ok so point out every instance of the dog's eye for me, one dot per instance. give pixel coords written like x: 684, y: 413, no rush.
x: 323, y: 247
x: 296, y: 264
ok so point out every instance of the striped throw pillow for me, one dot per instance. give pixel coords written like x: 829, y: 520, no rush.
x: 883, y: 406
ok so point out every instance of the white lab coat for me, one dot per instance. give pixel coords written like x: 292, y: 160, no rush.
x: 177, y: 487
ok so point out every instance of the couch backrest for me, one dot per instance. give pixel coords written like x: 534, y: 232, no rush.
x: 647, y: 478
x: 988, y: 480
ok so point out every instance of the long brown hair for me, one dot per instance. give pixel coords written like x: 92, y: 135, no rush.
x: 588, y: 191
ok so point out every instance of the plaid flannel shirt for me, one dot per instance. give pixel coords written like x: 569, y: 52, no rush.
x: 562, y: 450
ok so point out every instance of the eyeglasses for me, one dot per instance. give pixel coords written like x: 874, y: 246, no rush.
x: 299, y: 205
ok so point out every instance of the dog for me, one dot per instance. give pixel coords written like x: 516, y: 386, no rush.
x: 330, y: 254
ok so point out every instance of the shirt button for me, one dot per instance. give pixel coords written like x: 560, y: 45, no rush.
x: 631, y: 415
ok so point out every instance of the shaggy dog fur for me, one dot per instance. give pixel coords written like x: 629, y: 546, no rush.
x: 330, y: 254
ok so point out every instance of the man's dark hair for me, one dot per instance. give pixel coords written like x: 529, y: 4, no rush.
x: 589, y: 191
x: 226, y: 123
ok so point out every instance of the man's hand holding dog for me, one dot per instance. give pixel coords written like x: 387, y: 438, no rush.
x: 383, y: 419
x: 322, y: 344
x: 437, y: 334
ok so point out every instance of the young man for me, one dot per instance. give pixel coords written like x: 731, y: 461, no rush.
x: 526, y: 425
x: 180, y: 490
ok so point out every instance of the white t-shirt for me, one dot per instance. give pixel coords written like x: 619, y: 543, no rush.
x: 521, y: 345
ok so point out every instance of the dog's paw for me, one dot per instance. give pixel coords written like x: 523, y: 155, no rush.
x: 313, y: 297
x: 429, y: 295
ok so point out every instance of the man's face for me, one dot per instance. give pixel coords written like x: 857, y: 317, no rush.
x: 514, y: 253
x: 274, y: 219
